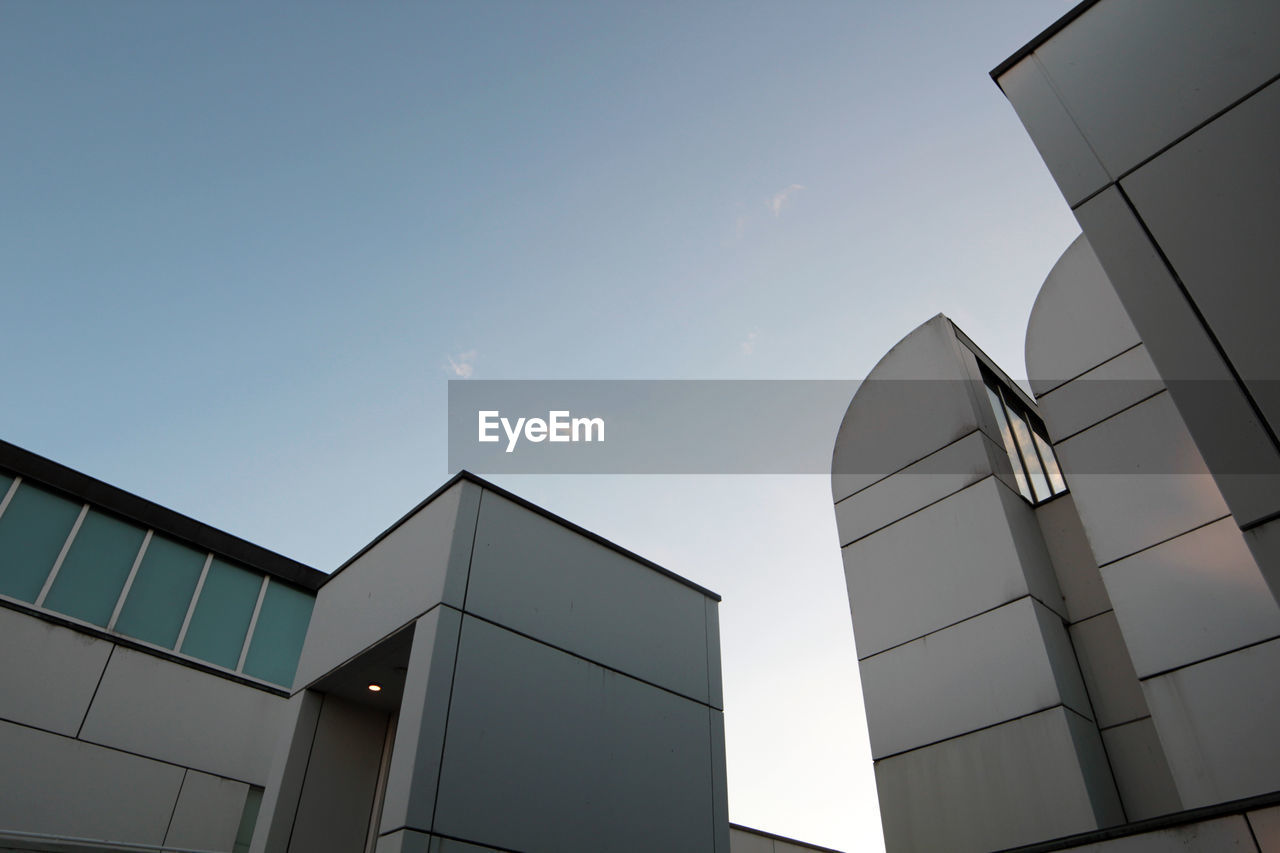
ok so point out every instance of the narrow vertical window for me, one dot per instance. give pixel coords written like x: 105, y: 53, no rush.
x: 1035, y: 467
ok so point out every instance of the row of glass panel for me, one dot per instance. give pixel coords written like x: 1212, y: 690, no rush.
x: 74, y: 559
x: 1035, y: 466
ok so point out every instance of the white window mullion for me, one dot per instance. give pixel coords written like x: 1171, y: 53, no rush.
x: 8, y: 496
x: 253, y: 623
x: 62, y: 555
x: 191, y: 608
x: 128, y: 583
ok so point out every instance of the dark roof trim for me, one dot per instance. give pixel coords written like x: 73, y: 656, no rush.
x: 532, y: 507
x: 117, y: 501
x: 806, y: 845
x: 1152, y: 824
x: 1028, y: 48
x: 989, y: 363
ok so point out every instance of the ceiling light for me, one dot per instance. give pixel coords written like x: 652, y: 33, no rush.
x: 375, y: 687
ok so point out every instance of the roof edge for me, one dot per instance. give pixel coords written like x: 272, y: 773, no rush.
x: 117, y: 501
x: 465, y: 475
x: 1030, y: 47
x: 776, y: 837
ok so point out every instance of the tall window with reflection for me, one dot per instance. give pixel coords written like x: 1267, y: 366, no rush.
x: 1035, y: 466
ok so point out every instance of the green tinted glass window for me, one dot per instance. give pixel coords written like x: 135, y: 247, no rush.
x: 161, y: 592
x: 221, y: 620
x: 95, y: 569
x: 277, y: 638
x: 33, y: 530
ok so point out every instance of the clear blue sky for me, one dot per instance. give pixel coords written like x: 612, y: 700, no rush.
x: 245, y: 245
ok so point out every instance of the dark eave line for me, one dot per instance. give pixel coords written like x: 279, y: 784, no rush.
x: 1029, y: 48
x: 82, y: 487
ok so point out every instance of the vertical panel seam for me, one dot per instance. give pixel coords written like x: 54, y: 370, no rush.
x: 96, y: 687
x: 1062, y: 102
x: 174, y: 811
x: 1200, y: 318
x: 444, y: 734
x: 711, y: 754
x: 302, y: 785
x: 1093, y: 711
x: 475, y: 533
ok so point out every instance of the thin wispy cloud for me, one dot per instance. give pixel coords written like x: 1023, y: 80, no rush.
x: 748, y: 344
x: 462, y: 365
x: 782, y: 198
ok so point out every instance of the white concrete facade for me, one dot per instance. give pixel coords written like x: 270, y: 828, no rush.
x: 541, y: 688
x: 1155, y: 369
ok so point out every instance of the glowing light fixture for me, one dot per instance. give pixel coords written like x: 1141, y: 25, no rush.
x: 375, y: 687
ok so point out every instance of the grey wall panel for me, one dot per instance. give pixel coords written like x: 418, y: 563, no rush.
x: 417, y: 565
x: 1265, y: 824
x: 288, y: 772
x: 1264, y: 543
x: 1072, y: 163
x: 1077, y: 321
x: 1134, y: 81
x: 1138, y: 480
x: 1083, y: 592
x: 153, y: 707
x: 1223, y: 835
x: 398, y: 579
x: 942, y: 473
x: 404, y: 841
x: 452, y: 845
x: 715, y: 678
x: 946, y: 563
x: 1108, y: 672
x: 914, y: 401
x: 1033, y: 556
x: 748, y: 842
x: 1099, y: 780
x: 1192, y: 597
x: 980, y: 672
x: 1212, y: 203
x: 545, y: 580
x: 47, y: 673
x: 419, y: 741
x: 1012, y: 784
x: 547, y: 753
x: 342, y: 772
x: 1062, y: 660
x: 719, y: 783
x: 60, y: 786
x: 207, y: 815
x: 1216, y: 721
x: 1142, y: 775
x: 1100, y: 393
x: 1226, y: 430
x: 780, y: 846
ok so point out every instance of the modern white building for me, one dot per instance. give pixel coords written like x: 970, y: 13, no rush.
x: 483, y: 676
x: 1065, y: 601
